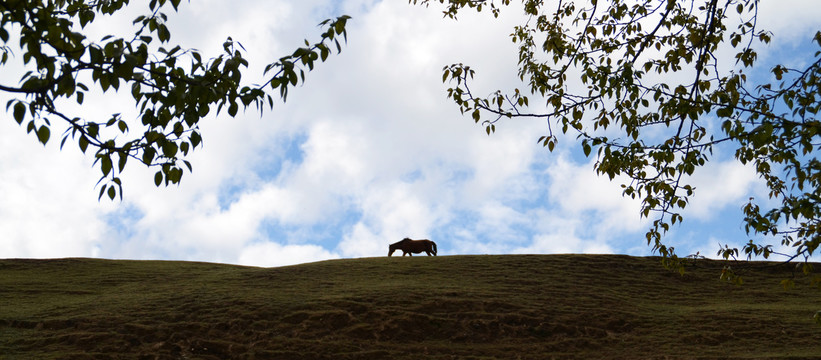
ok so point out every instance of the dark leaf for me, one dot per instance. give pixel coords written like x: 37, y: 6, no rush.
x: 19, y: 112
x: 43, y: 133
x: 105, y: 164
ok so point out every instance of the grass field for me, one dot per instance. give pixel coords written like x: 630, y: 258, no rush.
x: 448, y: 307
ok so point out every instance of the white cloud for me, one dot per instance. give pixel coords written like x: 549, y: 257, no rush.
x: 577, y: 189
x: 563, y: 244
x: 389, y: 213
x: 790, y: 20
x: 47, y: 207
x: 369, y: 147
x: 720, y: 185
x: 363, y: 241
x: 274, y: 254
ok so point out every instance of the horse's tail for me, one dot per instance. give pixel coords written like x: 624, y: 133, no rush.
x: 433, y: 245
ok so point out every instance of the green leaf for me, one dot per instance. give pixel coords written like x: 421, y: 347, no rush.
x: 275, y: 83
x: 174, y: 175
x: 83, y: 142
x: 324, y: 52
x: 105, y: 164
x: 169, y: 149
x: 43, y: 134
x: 162, y: 33
x: 232, y: 109
x: 178, y: 129
x: 158, y: 178
x: 148, y: 155
x: 93, y: 130
x: 112, y: 192
x: 121, y: 163
x: 104, y: 82
x: 577, y: 114
x: 196, y: 139
x: 102, y: 191
x: 136, y: 91
x: 339, y: 26
x: 19, y: 112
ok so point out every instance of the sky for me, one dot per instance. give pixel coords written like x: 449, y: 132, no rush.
x: 368, y: 151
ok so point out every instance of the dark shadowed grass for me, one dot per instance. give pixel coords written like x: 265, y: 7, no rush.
x: 449, y: 307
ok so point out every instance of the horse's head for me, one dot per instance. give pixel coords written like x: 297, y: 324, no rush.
x: 391, y: 249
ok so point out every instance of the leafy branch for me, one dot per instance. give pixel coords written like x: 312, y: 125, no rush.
x: 171, y: 99
x: 656, y: 102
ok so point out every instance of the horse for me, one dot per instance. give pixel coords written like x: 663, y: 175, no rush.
x: 410, y: 247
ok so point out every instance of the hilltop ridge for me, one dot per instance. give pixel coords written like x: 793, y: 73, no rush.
x: 447, y: 307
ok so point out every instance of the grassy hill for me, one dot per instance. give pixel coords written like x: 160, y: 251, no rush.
x: 449, y: 307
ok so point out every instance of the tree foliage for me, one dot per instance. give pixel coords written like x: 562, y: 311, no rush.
x: 651, y: 88
x: 173, y: 88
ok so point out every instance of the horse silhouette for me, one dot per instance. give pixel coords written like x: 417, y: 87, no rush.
x: 410, y: 247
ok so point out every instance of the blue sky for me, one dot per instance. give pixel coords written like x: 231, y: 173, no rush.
x: 367, y: 152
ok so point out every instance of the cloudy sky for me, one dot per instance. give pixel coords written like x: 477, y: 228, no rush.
x: 367, y: 152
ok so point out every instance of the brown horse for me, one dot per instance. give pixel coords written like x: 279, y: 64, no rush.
x: 410, y: 247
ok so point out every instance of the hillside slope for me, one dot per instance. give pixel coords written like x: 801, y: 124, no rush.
x: 449, y: 307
